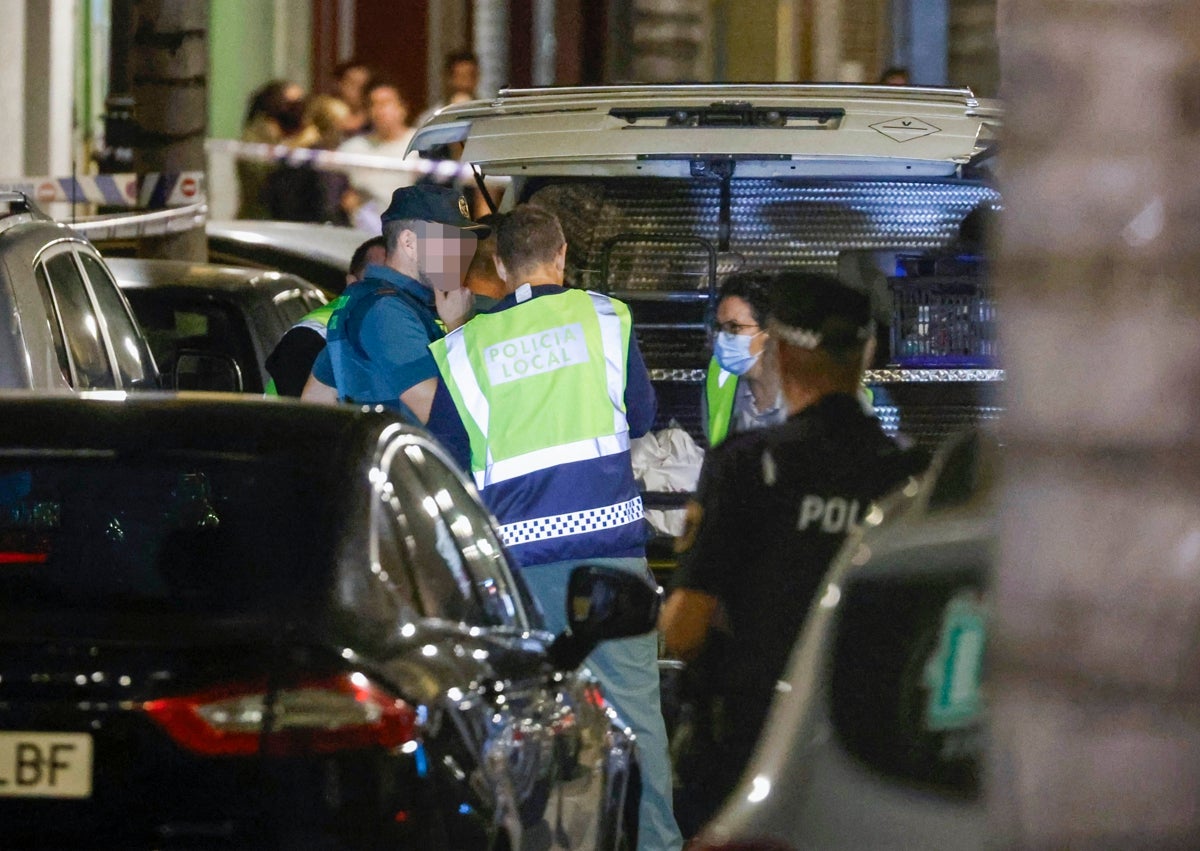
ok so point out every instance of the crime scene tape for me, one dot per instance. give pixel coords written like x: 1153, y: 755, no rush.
x: 443, y: 171
x: 125, y: 189
x: 134, y: 225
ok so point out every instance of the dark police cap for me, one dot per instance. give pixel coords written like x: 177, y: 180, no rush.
x: 810, y: 310
x: 428, y: 203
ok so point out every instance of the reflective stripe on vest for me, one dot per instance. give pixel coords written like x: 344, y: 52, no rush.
x: 721, y: 392
x: 321, y: 327
x: 614, y: 359
x: 532, y: 343
x: 315, y: 320
x: 318, y: 320
x: 572, y: 523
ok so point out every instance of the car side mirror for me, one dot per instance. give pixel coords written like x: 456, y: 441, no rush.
x: 604, y: 603
x: 199, y: 370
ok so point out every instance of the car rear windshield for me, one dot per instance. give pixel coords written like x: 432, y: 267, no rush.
x: 191, y: 533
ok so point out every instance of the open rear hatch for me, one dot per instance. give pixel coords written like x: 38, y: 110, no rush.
x: 768, y: 130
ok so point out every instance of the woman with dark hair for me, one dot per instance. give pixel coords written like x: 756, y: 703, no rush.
x: 274, y: 115
x: 743, y: 390
x: 302, y: 193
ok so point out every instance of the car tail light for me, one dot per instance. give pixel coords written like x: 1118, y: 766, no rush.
x: 15, y: 557
x: 344, y: 712
x: 22, y: 546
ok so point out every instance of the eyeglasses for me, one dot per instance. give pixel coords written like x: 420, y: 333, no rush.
x: 732, y: 327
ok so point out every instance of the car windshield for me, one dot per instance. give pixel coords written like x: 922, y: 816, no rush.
x: 198, y: 533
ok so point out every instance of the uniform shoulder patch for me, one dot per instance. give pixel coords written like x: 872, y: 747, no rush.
x: 770, y: 473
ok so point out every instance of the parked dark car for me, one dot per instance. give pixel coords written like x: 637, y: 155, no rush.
x: 318, y: 253
x: 225, y: 310
x: 877, y: 735
x: 227, y: 622
x: 66, y: 325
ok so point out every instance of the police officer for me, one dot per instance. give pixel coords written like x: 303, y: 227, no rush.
x: 291, y: 361
x: 775, y: 505
x: 378, y: 344
x: 742, y: 391
x: 550, y: 387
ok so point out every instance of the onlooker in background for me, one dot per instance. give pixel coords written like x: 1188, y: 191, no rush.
x: 894, y: 76
x: 303, y: 193
x: 460, y: 79
x: 743, y: 391
x: 274, y: 116
x: 291, y: 361
x: 351, y: 80
x: 389, y: 137
x: 325, y: 119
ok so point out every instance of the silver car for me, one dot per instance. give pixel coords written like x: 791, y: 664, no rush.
x: 66, y: 326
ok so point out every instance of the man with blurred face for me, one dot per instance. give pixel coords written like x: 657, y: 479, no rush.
x: 378, y: 344
x: 443, y: 255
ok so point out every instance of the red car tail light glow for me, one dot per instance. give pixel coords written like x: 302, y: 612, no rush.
x: 343, y: 712
x: 13, y: 557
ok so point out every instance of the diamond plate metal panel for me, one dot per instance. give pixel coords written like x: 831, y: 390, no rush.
x: 774, y: 223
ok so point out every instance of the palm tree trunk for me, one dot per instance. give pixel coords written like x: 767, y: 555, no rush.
x: 169, y: 59
x: 1095, y: 675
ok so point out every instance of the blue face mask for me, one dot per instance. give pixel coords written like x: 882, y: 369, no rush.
x: 733, y: 352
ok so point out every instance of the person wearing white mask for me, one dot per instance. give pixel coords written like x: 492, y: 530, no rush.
x: 743, y: 390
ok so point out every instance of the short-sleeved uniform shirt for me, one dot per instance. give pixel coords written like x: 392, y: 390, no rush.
x: 777, y: 504
x: 292, y: 359
x: 383, y: 330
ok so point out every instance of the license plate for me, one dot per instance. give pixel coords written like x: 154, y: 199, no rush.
x: 46, y: 765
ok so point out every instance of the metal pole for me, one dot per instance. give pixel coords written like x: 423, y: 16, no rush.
x: 545, y: 43
x: 119, y: 131
x: 491, y: 45
x: 929, y: 22
x: 827, y: 41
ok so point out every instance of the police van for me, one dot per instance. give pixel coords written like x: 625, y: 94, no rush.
x: 663, y: 190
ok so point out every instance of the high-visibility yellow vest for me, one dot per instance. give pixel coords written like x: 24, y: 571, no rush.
x: 541, y: 385
x: 317, y: 320
x: 720, y: 391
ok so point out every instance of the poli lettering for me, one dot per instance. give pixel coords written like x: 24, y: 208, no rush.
x: 834, y: 515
